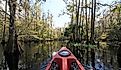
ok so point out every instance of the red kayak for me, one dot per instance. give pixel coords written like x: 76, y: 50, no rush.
x: 64, y: 60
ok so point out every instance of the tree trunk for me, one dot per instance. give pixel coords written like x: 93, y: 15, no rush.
x: 81, y: 26
x: 77, y: 19
x: 119, y: 57
x: 11, y: 52
x: 87, y: 40
x: 3, y: 39
x: 92, y: 31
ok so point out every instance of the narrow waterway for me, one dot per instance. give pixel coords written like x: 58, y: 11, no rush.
x: 36, y: 55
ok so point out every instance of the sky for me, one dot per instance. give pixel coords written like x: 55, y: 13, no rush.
x: 56, y: 6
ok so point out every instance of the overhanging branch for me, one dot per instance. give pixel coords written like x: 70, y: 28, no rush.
x: 4, y: 12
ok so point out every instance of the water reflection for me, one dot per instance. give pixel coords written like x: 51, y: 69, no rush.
x: 36, y: 53
x: 107, y: 55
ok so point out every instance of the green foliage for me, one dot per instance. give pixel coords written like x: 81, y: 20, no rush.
x: 117, y: 8
x: 70, y: 8
x: 90, y: 46
x: 69, y: 30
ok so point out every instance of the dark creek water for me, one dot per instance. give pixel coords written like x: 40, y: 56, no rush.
x: 37, y: 55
